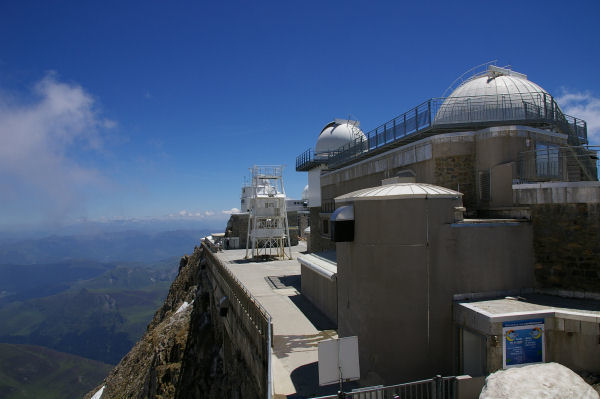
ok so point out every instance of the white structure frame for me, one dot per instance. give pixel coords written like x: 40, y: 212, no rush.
x: 268, y: 226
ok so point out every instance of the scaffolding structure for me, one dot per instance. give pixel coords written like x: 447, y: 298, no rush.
x: 268, y: 228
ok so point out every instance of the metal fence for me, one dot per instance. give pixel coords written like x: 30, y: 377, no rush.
x: 554, y: 163
x: 327, y: 206
x: 437, y: 387
x: 255, y: 319
x: 439, y: 115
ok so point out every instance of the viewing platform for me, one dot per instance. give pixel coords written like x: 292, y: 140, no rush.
x: 298, y: 325
x: 451, y: 114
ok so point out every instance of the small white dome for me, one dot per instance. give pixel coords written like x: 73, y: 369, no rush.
x: 336, y: 134
x: 498, y: 95
x: 305, y: 193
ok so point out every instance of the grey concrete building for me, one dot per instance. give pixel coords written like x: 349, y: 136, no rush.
x: 490, y: 192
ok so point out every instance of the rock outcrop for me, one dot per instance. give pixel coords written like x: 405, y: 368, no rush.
x: 545, y: 380
x: 181, y: 355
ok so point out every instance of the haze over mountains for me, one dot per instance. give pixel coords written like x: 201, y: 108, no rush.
x: 90, y: 294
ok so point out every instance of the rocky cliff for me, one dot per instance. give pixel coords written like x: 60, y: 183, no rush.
x: 181, y: 355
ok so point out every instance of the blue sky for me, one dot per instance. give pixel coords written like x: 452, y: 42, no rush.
x: 118, y: 110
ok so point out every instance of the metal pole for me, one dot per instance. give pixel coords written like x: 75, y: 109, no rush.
x: 438, y: 387
x: 429, y: 111
x: 416, y: 120
x: 269, y: 370
x: 385, y: 133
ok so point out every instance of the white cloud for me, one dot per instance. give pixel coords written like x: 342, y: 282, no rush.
x: 198, y: 214
x: 44, y: 143
x: 230, y: 211
x: 585, y: 106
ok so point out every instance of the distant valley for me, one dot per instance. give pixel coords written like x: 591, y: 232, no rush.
x: 90, y: 296
x: 33, y: 372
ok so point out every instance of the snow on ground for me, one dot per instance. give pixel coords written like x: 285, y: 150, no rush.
x: 543, y: 381
x: 183, y: 307
x: 98, y: 394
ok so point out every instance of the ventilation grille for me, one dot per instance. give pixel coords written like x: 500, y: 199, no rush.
x: 484, y: 186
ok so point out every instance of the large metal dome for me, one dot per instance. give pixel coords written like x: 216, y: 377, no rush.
x: 337, y: 134
x: 500, y: 94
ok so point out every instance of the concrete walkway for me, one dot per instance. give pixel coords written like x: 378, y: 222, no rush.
x: 298, y: 326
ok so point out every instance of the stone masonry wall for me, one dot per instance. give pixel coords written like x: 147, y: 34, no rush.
x: 184, y: 353
x: 237, y: 226
x: 318, y: 243
x: 567, y: 246
x: 458, y: 172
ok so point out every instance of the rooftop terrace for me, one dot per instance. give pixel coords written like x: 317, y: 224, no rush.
x: 298, y: 326
x: 451, y: 114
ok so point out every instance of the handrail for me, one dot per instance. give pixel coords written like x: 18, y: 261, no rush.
x: 559, y: 163
x: 437, y: 387
x: 251, y: 309
x: 234, y: 280
x: 439, y: 115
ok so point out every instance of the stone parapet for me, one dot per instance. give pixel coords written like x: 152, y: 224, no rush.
x: 567, y: 246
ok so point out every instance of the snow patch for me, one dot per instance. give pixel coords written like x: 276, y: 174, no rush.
x: 546, y: 380
x: 183, y: 307
x: 98, y: 394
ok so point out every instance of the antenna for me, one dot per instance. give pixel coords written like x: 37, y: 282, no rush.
x: 481, y: 69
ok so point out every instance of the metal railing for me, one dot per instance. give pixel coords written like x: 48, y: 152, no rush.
x: 440, y: 115
x: 327, y: 206
x: 437, y: 387
x: 554, y: 163
x: 256, y: 321
x: 307, y: 160
x: 266, y: 171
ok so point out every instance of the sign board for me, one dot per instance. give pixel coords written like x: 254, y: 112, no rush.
x: 524, y: 342
x: 338, y: 356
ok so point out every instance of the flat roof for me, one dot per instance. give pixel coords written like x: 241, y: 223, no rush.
x: 298, y: 325
x: 534, y: 305
x: 323, y: 263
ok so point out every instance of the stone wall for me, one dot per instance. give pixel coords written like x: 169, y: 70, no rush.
x: 304, y: 222
x: 457, y: 173
x: 293, y: 226
x: 220, y: 359
x: 184, y: 352
x: 321, y: 291
x: 237, y: 226
x: 318, y: 242
x: 567, y: 246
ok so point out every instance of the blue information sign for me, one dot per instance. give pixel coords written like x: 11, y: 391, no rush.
x: 523, y: 342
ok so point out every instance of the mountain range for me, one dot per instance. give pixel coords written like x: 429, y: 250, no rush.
x: 89, y: 295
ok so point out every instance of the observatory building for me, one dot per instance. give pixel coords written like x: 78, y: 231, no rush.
x: 487, y: 193
x: 268, y: 228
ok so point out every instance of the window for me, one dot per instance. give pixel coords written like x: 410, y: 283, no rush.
x: 546, y: 160
x: 325, y: 229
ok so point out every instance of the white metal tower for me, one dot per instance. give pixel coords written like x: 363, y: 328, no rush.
x: 268, y: 226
